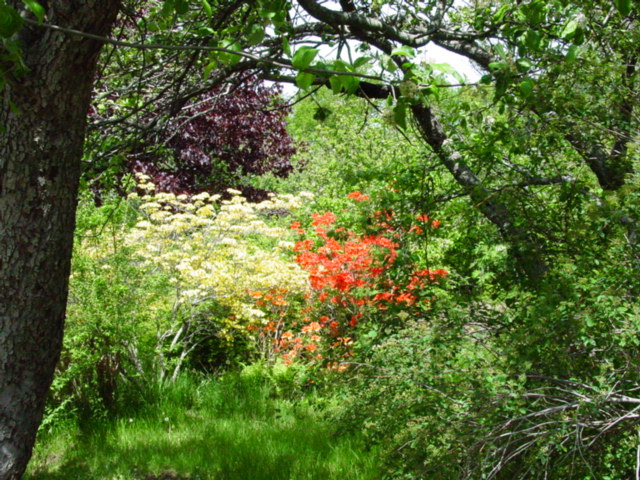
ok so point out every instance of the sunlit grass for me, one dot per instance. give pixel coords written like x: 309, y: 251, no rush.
x: 227, y: 430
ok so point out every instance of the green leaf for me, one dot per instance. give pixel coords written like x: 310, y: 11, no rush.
x: 572, y: 53
x: 10, y: 21
x: 389, y: 64
x: 405, y: 51
x: 432, y: 90
x: 501, y: 51
x: 336, y: 84
x: 499, y: 15
x: 181, y: 6
x: 526, y: 87
x: 207, y: 8
x: 524, y: 64
x: 228, y: 58
x: 361, y: 61
x: 344, y: 83
x: 578, y: 37
x: 389, y: 103
x: 624, y: 7
x: 167, y: 8
x: 498, y: 66
x: 209, y: 68
x: 443, y: 67
x: 532, y: 39
x: 350, y: 83
x: 304, y: 80
x: 570, y: 29
x: 448, y: 69
x: 256, y: 35
x: 341, y: 66
x: 486, y: 79
x: 303, y: 57
x: 400, y: 115
x: 36, y: 9
x: 286, y: 47
x: 500, y: 88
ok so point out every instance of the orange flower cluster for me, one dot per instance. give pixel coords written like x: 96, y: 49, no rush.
x: 424, y: 218
x: 275, y: 297
x: 358, y: 196
x: 350, y: 277
x: 325, y: 219
x: 417, y: 281
x: 291, y: 346
x: 344, y: 266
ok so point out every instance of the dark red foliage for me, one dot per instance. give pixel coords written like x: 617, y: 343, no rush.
x: 226, y: 133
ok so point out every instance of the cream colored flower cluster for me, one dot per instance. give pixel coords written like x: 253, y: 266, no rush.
x: 221, y: 250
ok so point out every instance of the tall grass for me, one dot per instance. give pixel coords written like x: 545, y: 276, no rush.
x: 234, y: 428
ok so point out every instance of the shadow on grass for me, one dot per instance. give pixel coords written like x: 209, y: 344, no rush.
x: 232, y: 447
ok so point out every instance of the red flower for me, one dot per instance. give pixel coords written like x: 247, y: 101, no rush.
x: 321, y: 232
x: 386, y: 296
x: 304, y: 245
x: 317, y: 281
x: 406, y: 297
x: 325, y: 219
x: 358, y: 196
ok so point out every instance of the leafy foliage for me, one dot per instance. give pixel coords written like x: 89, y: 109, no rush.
x: 219, y: 138
x: 163, y: 282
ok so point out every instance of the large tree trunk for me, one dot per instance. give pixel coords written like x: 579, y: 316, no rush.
x: 40, y: 152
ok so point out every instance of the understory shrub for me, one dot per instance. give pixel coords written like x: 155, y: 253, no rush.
x: 163, y: 282
x: 424, y: 394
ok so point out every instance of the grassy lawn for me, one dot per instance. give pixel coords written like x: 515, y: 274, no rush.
x: 226, y: 430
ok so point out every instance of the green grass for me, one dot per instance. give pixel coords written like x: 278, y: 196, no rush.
x: 230, y: 429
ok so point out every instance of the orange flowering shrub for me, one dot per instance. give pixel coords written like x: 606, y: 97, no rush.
x: 355, y: 279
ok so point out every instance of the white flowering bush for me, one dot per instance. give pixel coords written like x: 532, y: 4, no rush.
x: 220, y: 250
x: 160, y: 281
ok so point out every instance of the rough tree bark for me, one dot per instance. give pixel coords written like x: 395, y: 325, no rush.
x: 40, y: 152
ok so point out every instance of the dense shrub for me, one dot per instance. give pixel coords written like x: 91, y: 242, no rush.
x: 425, y: 394
x: 161, y: 282
x: 361, y: 280
x: 226, y: 134
x: 211, y: 142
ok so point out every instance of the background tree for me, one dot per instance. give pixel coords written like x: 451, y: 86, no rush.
x: 524, y: 49
x: 225, y: 137
x: 157, y: 111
